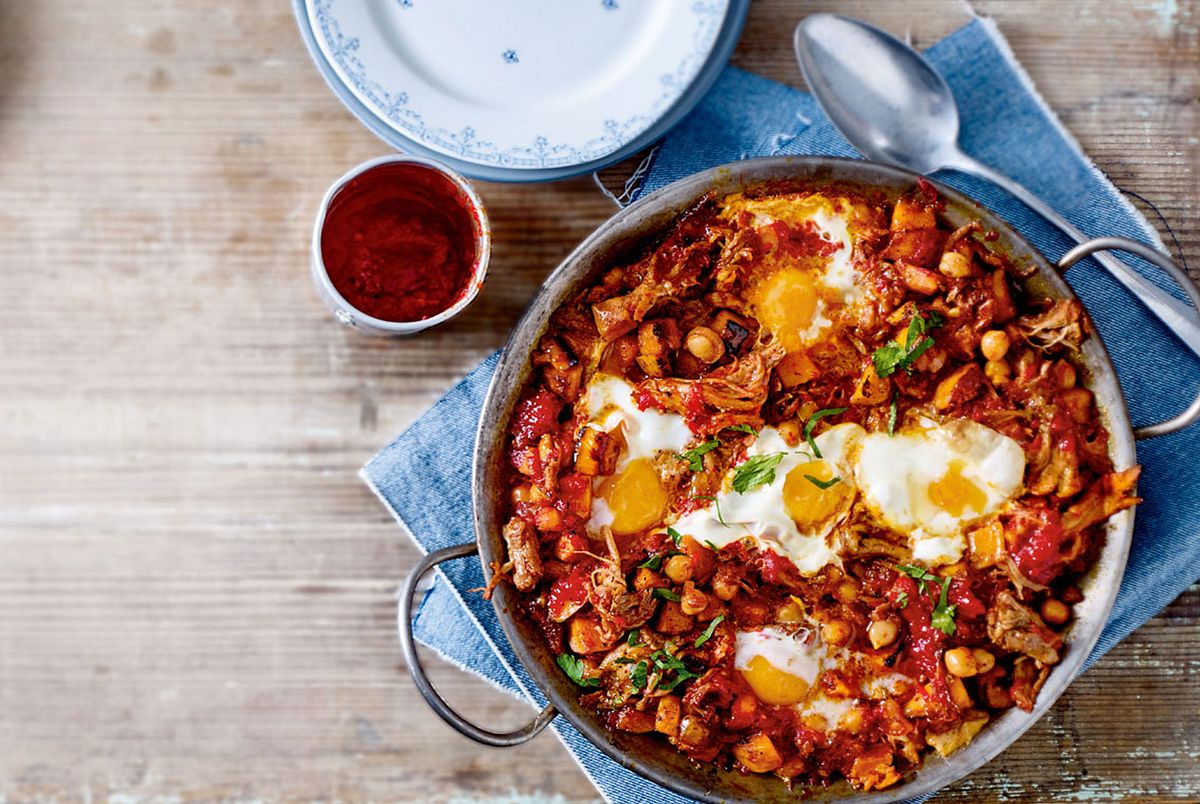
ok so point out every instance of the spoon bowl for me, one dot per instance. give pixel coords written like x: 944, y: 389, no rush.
x: 893, y: 108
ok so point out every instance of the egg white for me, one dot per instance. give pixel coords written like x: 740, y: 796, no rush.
x: 761, y: 513
x: 894, y: 474
x: 609, y: 404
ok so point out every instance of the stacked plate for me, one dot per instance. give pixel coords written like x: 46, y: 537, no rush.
x: 520, y: 90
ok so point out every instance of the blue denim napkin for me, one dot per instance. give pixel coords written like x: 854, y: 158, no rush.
x: 423, y: 477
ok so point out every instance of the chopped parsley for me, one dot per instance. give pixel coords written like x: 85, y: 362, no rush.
x: 919, y: 574
x: 632, y: 639
x: 666, y: 663
x: 665, y: 594
x: 676, y: 536
x: 823, y: 484
x: 695, y: 455
x: 743, y: 428
x: 639, y: 675
x: 716, y: 504
x: 655, y: 561
x: 708, y: 632
x: 943, y: 615
x: 902, y: 600
x: 574, y: 667
x: 892, y: 355
x: 756, y: 471
x: 623, y: 660
x: 812, y: 422
x: 892, y: 417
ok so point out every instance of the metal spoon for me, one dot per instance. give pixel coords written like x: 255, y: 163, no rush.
x: 892, y: 106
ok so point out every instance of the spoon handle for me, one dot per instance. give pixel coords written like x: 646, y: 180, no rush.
x: 1181, y: 319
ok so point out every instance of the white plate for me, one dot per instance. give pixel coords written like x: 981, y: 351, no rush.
x: 519, y: 84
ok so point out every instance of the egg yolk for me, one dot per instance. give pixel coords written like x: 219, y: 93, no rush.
x: 772, y: 685
x: 636, y: 497
x: 807, y: 503
x: 785, y: 303
x: 954, y: 493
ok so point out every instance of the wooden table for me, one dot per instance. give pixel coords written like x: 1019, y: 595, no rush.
x: 196, y: 591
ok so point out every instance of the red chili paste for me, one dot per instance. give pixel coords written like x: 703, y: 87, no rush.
x: 399, y: 242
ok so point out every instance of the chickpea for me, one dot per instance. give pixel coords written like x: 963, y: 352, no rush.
x: 724, y: 587
x: 995, y: 344
x: 522, y: 494
x: 1066, y: 374
x: 954, y: 265
x: 836, y: 632
x: 958, y: 692
x: 1055, y: 611
x: 705, y: 344
x: 790, y: 612
x: 997, y: 371
x: 847, y: 591
x: 984, y: 660
x: 961, y: 662
x: 692, y: 601
x: 852, y: 721
x: 882, y: 633
x: 678, y: 568
x: 789, y: 431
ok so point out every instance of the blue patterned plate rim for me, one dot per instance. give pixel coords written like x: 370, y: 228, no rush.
x: 719, y: 54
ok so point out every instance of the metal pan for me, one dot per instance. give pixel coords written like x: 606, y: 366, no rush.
x: 620, y: 238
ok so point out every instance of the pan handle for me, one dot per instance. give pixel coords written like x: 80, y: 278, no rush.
x: 1152, y: 255
x: 409, y: 647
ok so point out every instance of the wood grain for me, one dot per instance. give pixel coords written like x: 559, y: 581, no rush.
x: 196, y: 592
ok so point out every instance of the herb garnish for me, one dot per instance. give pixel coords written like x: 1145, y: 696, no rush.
x: 743, y: 428
x: 639, y: 675
x: 919, y: 574
x: 676, y: 536
x: 655, y: 561
x: 708, y: 632
x: 665, y: 594
x: 902, y: 600
x: 695, y: 455
x: 574, y: 667
x: 633, y: 637
x: 665, y: 662
x: 623, y: 660
x: 716, y: 504
x: 812, y: 422
x: 823, y: 484
x: 943, y: 615
x: 892, y: 417
x: 756, y: 471
x: 892, y: 355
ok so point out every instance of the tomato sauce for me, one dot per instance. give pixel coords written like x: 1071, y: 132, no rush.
x: 399, y: 242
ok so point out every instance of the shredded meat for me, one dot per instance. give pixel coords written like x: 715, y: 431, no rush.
x: 1014, y: 626
x: 1063, y: 322
x: 523, y: 554
x: 739, y: 387
x: 1105, y: 497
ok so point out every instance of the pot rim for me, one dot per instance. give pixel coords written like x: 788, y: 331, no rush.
x: 630, y: 223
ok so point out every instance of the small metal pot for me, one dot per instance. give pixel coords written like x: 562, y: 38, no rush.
x: 619, y: 238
